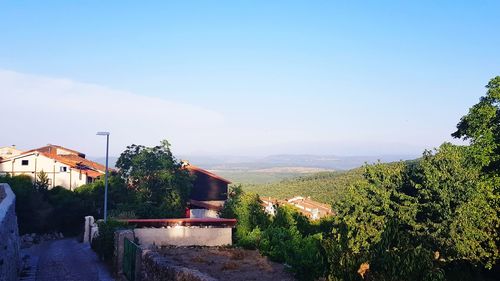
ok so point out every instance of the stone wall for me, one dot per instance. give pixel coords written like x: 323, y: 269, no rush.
x: 9, y: 244
x: 157, y: 268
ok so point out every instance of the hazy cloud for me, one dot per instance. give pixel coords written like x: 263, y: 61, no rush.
x: 40, y: 110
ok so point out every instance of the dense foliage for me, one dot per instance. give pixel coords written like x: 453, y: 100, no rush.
x: 436, y: 218
x: 323, y: 187
x: 104, y: 244
x: 150, y: 184
x: 156, y: 177
x: 288, y: 237
x: 40, y: 210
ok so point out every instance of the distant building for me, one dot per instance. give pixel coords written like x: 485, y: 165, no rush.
x: 64, y: 167
x: 311, y: 209
x: 270, y: 204
x: 209, y: 193
x: 8, y: 152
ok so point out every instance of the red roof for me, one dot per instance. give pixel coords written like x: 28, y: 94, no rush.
x: 182, y: 222
x: 75, y: 160
x: 200, y: 170
x: 52, y: 149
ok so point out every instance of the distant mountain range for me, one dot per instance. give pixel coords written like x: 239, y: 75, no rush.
x: 273, y: 168
x: 330, y: 162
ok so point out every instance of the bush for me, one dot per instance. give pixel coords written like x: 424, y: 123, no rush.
x: 104, y: 243
x: 289, y: 239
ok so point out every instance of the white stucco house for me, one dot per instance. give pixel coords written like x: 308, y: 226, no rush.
x: 64, y: 167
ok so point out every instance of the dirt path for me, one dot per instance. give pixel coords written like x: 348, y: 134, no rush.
x: 66, y: 259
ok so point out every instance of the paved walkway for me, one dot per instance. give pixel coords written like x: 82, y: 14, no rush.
x: 65, y: 259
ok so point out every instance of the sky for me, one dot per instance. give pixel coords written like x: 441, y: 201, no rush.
x: 244, y: 77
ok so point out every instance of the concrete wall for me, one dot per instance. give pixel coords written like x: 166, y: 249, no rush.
x: 203, y: 213
x: 184, y: 236
x: 152, y: 266
x: 9, y: 244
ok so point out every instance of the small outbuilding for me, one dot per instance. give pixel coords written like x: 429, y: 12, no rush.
x: 208, y: 195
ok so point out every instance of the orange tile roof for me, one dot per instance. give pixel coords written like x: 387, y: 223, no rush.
x: 75, y: 161
x: 86, y: 162
x: 48, y: 149
x: 92, y: 173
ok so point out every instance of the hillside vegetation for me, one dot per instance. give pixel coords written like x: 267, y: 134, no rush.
x: 436, y: 218
x: 323, y: 187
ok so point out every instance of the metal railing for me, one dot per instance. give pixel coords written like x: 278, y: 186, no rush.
x: 129, y: 258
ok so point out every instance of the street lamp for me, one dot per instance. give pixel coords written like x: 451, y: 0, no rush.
x: 106, y: 175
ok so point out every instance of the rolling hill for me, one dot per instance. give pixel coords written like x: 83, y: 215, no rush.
x: 322, y: 187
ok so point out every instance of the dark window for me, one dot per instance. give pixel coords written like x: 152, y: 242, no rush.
x: 25, y: 162
x: 63, y: 169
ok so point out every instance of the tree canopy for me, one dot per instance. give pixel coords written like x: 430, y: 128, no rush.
x: 162, y: 186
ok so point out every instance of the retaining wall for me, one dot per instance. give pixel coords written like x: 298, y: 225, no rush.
x: 157, y: 268
x: 9, y: 234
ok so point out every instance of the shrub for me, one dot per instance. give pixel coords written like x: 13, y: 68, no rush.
x: 104, y: 243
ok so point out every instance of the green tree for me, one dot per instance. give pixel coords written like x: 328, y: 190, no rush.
x: 121, y: 199
x: 42, y: 181
x: 481, y: 126
x: 456, y: 214
x: 247, y: 209
x: 162, y: 186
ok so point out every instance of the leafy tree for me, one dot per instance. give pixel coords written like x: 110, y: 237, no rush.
x: 482, y: 127
x: 121, y: 199
x: 456, y: 214
x: 32, y: 209
x: 247, y: 209
x: 285, y: 240
x: 162, y: 186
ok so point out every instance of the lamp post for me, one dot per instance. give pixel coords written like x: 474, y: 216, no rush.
x: 106, y: 175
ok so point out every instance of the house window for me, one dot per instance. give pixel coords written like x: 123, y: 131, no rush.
x: 63, y: 169
x: 25, y: 162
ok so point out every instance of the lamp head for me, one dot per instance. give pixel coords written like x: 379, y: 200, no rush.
x: 103, y: 133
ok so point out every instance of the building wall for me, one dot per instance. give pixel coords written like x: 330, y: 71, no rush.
x: 203, y: 213
x: 70, y: 179
x: 206, y: 188
x: 9, y: 244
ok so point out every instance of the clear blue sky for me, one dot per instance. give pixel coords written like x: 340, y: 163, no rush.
x: 342, y: 77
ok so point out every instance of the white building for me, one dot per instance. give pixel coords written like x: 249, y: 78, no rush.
x: 9, y: 151
x: 63, y: 167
